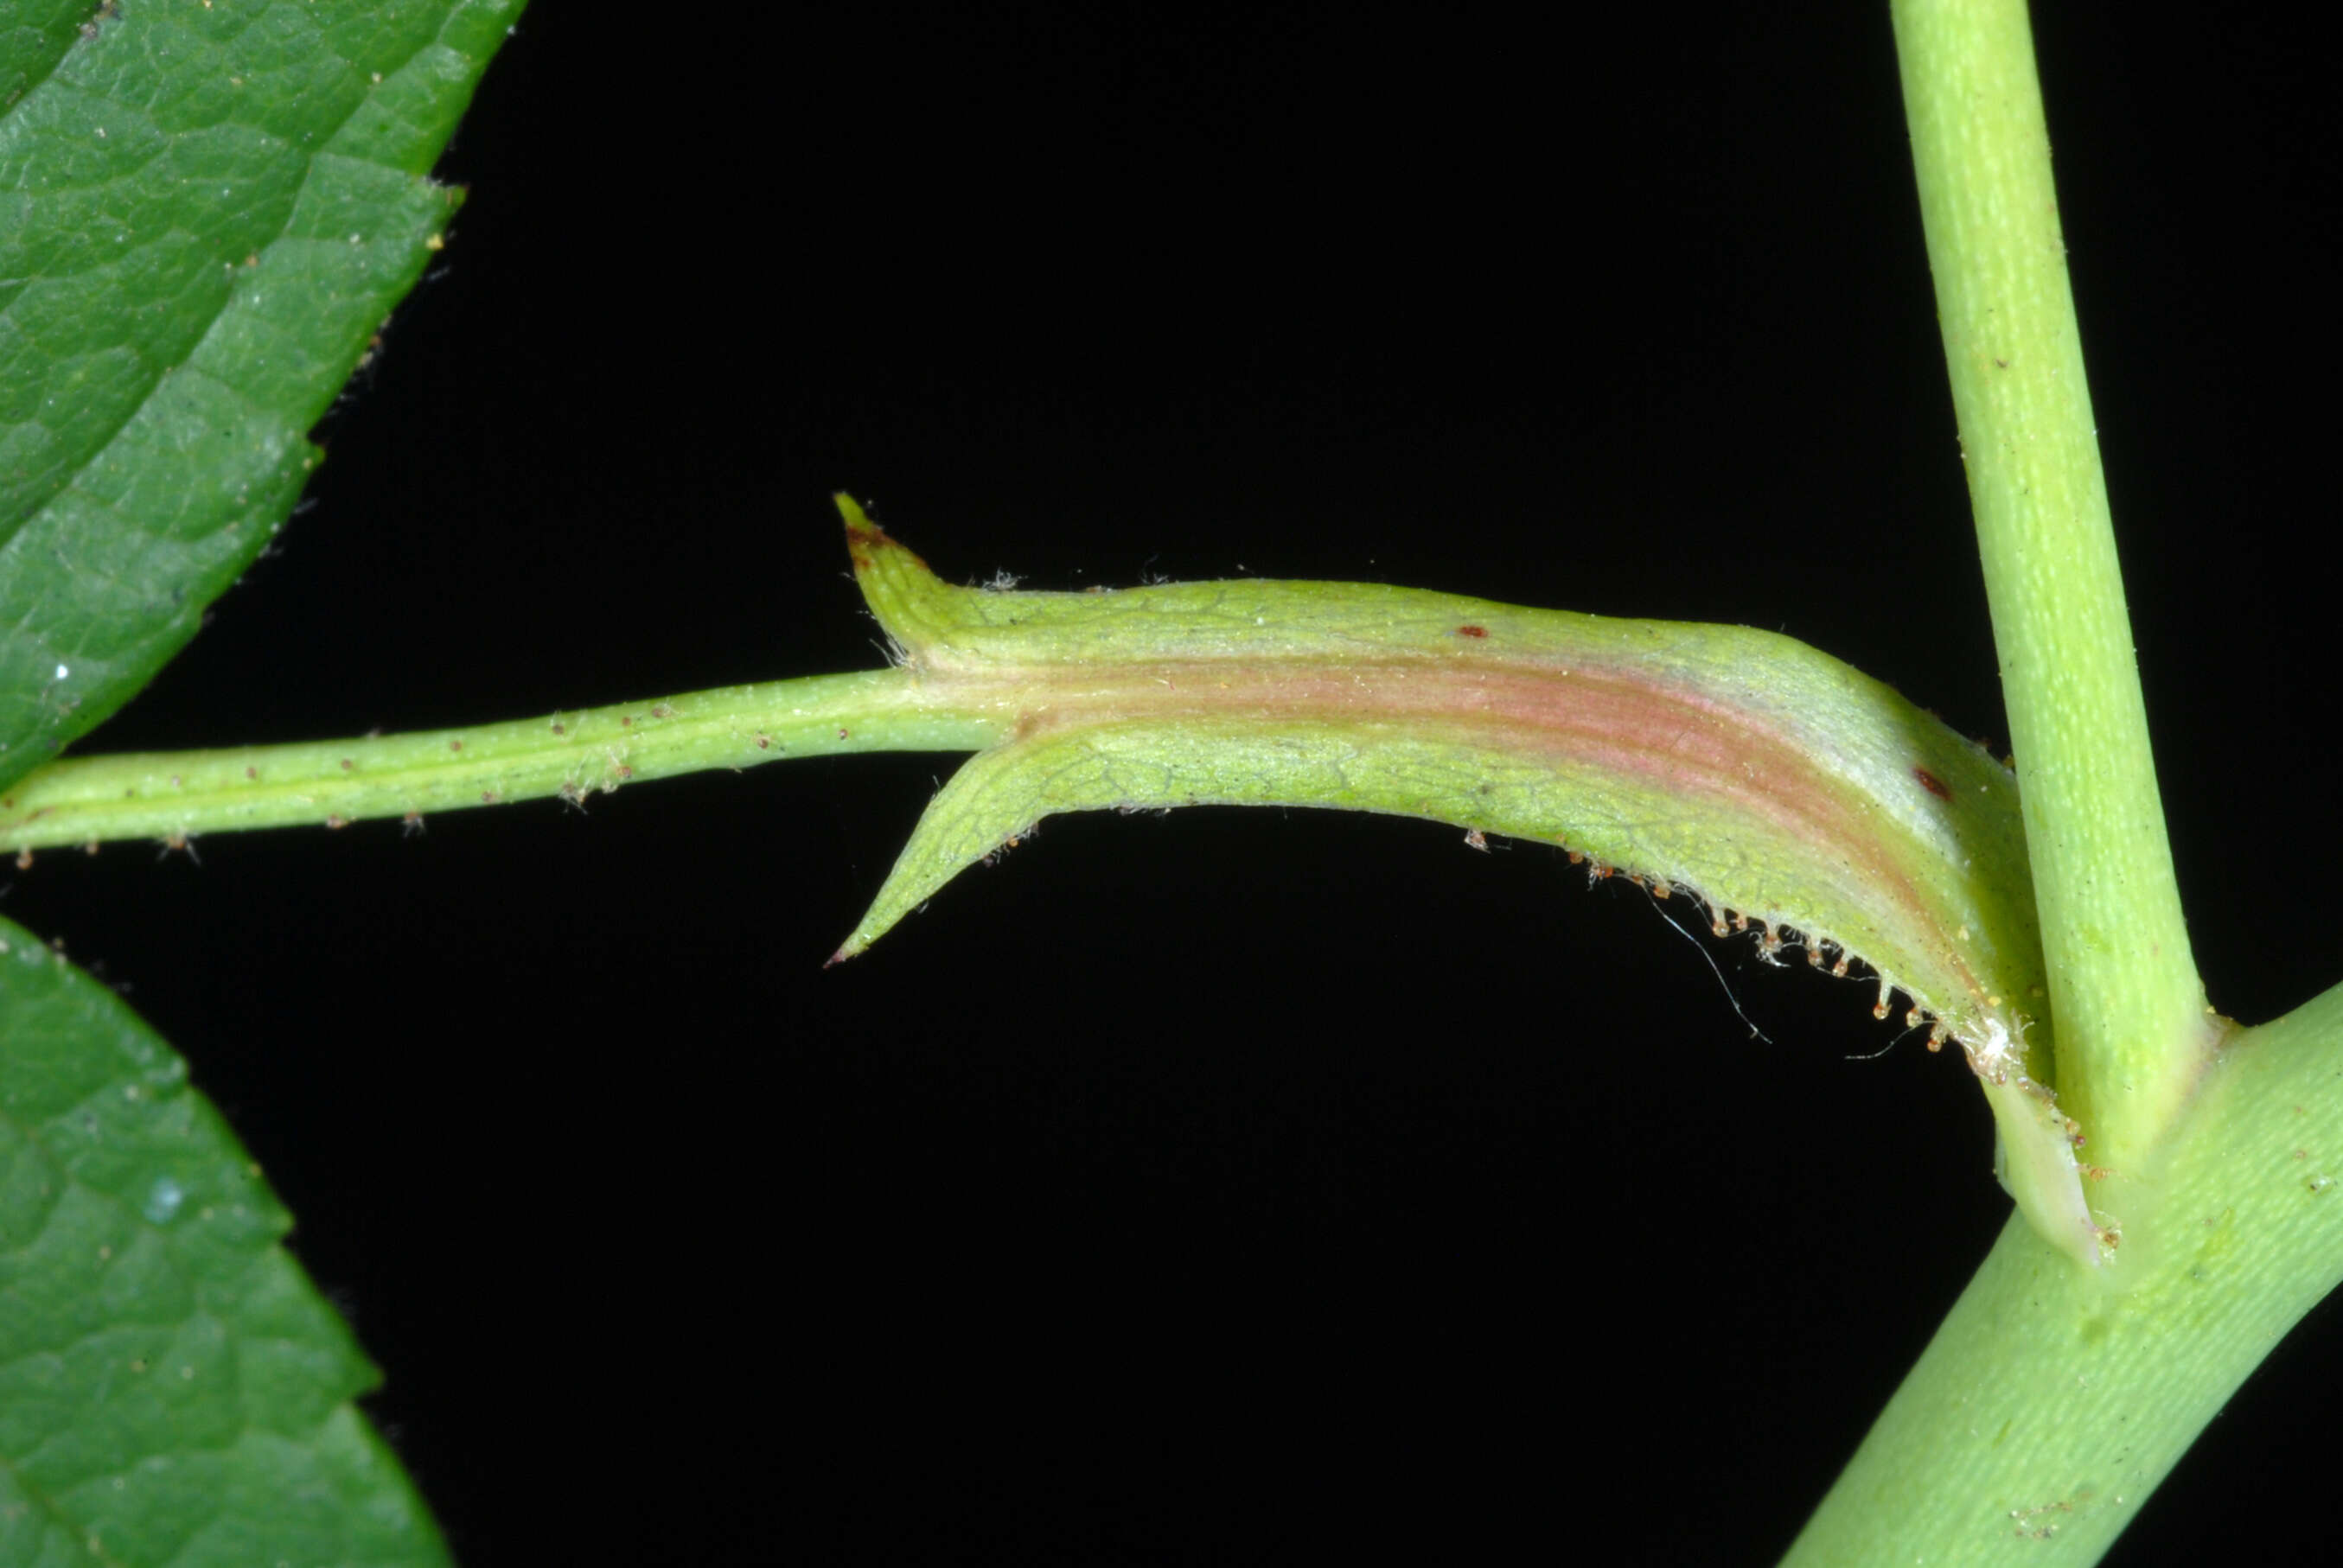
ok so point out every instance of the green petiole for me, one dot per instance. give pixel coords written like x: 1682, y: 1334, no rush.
x: 1790, y: 796
x: 174, y: 796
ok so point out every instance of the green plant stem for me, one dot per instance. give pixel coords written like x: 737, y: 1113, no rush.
x: 172, y: 796
x: 2132, y: 1031
x: 2053, y: 1399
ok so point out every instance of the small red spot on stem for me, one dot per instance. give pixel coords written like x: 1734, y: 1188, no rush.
x: 455, y: 746
x: 1472, y: 631
x: 1934, y: 785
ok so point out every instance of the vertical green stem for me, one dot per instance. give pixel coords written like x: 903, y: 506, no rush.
x: 2132, y: 1036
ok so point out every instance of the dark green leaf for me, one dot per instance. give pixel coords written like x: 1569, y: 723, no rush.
x: 206, y: 208
x: 32, y: 39
x: 171, y: 1389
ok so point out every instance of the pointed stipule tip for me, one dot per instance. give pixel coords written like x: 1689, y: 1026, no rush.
x: 847, y: 950
x: 865, y: 538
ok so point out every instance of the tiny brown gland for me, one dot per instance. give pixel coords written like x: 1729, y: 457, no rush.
x: 1476, y: 840
x: 455, y: 746
x: 24, y: 860
x: 347, y: 765
x: 1814, y: 955
x: 558, y: 729
x: 338, y: 822
x: 1577, y: 858
x: 764, y: 743
x: 1660, y: 889
x: 1912, y: 1018
x: 252, y: 773
x: 661, y: 710
x: 1716, y: 926
x: 90, y: 848
x: 625, y: 771
x: 1879, y: 1010
x: 626, y: 721
x: 1936, y: 1037
x: 1740, y: 922
x: 488, y: 797
x: 1839, y: 969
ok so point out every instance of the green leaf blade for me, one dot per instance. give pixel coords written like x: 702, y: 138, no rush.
x: 32, y: 39
x: 172, y: 1389
x: 204, y: 215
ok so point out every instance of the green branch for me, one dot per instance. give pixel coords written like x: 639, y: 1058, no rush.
x: 2053, y: 1400
x: 2132, y: 1035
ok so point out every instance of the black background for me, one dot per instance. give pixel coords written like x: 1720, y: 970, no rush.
x: 1236, y: 1183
